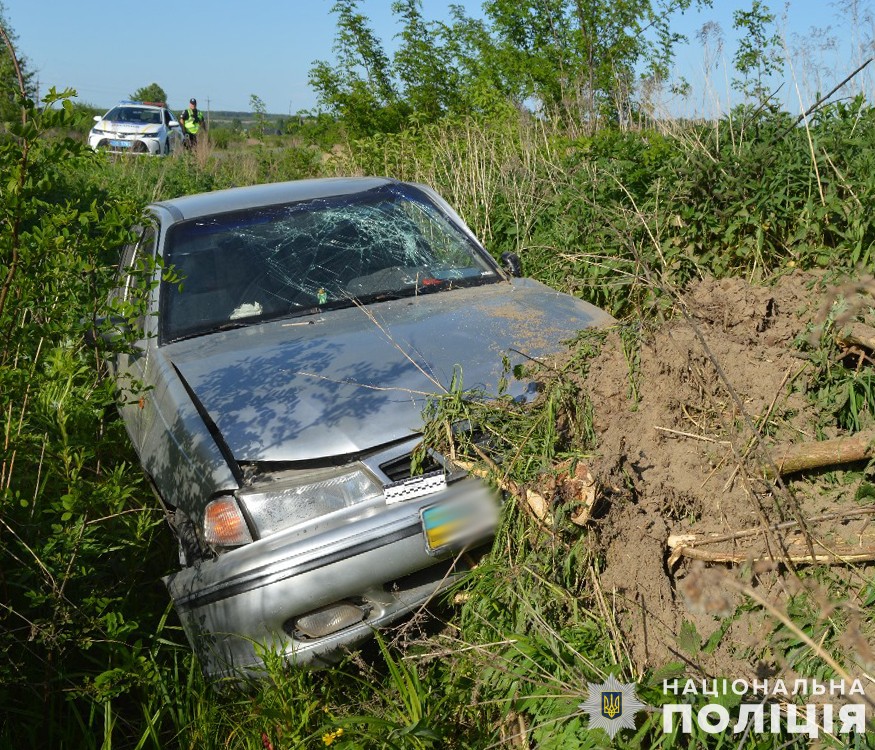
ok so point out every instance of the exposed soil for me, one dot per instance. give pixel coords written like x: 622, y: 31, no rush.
x: 682, y: 458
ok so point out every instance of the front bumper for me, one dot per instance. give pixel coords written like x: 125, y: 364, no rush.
x: 133, y: 145
x: 244, y: 603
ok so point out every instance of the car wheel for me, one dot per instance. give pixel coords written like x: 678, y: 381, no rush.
x: 166, y: 146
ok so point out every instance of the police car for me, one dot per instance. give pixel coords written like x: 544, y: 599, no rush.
x: 136, y: 128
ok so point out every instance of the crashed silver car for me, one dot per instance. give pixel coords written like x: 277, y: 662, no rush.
x: 289, y: 337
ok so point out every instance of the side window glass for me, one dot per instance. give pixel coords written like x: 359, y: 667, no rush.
x: 142, y: 275
x: 135, y: 280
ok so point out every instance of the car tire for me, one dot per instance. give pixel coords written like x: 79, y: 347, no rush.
x: 166, y: 146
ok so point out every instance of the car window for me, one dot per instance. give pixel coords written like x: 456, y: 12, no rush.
x: 306, y: 257
x: 136, y: 273
x: 134, y: 115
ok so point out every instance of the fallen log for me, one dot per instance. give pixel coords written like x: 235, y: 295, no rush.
x: 835, y: 452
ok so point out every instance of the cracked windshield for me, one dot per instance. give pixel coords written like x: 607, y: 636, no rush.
x: 303, y: 258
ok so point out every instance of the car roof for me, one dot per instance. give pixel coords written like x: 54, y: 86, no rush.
x: 145, y: 105
x: 275, y: 193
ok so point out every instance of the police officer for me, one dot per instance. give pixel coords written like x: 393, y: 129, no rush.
x: 192, y: 120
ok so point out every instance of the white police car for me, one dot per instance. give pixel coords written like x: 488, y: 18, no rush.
x: 136, y: 128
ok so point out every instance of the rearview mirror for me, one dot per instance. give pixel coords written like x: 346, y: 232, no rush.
x: 510, y: 262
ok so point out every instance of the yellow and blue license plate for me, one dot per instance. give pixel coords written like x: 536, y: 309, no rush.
x: 457, y: 523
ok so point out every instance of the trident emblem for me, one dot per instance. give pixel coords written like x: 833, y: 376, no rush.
x: 612, y: 704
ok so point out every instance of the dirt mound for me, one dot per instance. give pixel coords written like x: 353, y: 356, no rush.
x: 686, y: 427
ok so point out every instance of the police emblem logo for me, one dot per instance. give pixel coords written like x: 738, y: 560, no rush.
x: 611, y: 706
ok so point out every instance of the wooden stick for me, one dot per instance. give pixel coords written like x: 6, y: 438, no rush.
x: 691, y: 540
x: 837, y: 558
x: 691, y: 435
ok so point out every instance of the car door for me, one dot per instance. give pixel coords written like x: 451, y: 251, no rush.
x: 174, y: 130
x: 133, y: 300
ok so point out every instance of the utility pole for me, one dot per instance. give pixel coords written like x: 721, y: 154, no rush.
x: 208, y: 113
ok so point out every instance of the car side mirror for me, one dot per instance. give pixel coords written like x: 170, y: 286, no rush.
x: 173, y: 124
x: 510, y: 262
x: 97, y: 118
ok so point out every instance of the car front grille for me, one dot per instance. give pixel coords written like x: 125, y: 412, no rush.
x: 402, y: 467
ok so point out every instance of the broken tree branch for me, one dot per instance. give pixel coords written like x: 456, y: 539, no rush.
x: 737, y: 558
x: 536, y: 503
x: 835, y: 452
x: 692, y: 540
x: 857, y: 334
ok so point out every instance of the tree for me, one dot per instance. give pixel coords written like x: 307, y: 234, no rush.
x: 424, y: 68
x: 577, y: 60
x: 260, y: 111
x: 151, y: 93
x: 580, y: 59
x: 359, y: 87
x: 436, y: 70
x: 758, y: 55
x: 10, y: 86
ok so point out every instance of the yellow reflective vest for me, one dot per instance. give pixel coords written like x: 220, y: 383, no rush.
x: 191, y: 120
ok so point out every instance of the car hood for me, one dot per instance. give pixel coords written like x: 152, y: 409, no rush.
x: 343, y: 382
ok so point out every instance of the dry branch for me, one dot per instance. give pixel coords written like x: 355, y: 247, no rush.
x: 537, y: 504
x: 689, y: 545
x: 834, y: 558
x: 835, y: 452
x: 857, y: 334
x: 686, y: 540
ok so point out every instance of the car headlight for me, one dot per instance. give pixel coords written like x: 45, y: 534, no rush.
x: 98, y: 131
x: 151, y: 135
x: 286, y: 502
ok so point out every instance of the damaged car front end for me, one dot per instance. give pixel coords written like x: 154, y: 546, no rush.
x: 335, y: 556
x: 291, y: 336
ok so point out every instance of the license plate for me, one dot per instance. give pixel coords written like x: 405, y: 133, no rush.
x: 120, y: 144
x: 455, y: 524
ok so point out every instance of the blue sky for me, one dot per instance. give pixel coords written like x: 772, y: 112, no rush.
x: 223, y: 51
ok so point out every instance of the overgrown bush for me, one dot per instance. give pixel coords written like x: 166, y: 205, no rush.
x: 76, y: 517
